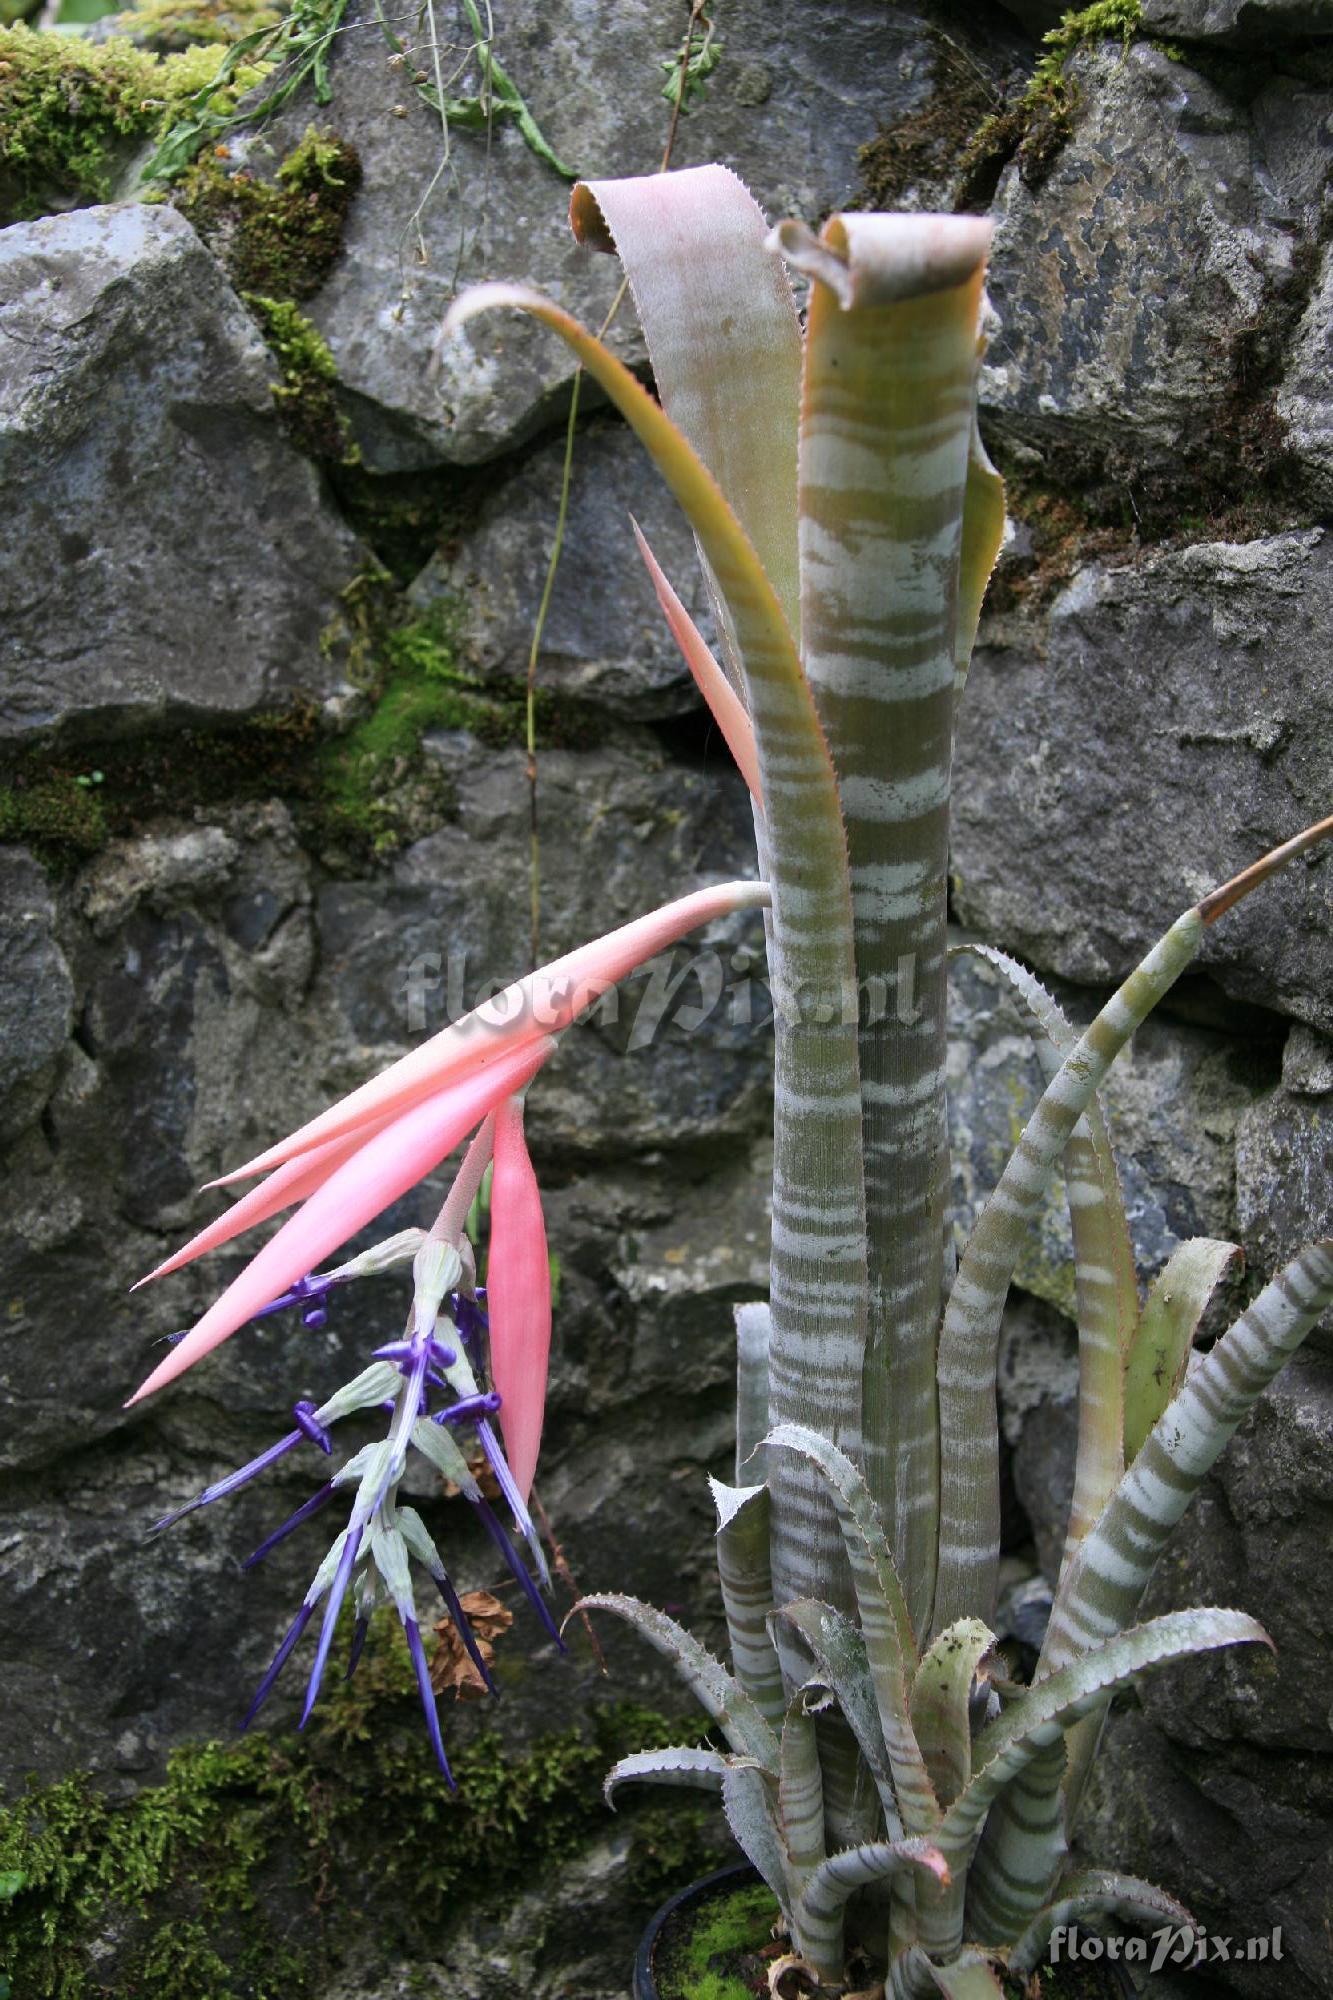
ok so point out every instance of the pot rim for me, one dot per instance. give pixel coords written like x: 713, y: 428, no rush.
x: 645, y: 1980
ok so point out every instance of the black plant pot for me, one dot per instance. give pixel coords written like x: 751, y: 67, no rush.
x: 681, y: 1904
x: 1103, y: 1980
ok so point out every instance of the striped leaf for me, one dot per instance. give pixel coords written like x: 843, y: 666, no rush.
x: 1174, y: 1306
x: 887, y: 418
x: 885, y: 1625
x: 747, y: 1594
x: 970, y: 1977
x: 717, y: 1691
x: 1039, y: 1717
x: 970, y: 1459
x: 801, y: 1795
x: 983, y: 534
x: 721, y: 328
x: 1106, y: 1581
x: 1021, y: 1851
x: 818, y: 1917
x: 753, y: 1331
x: 701, y: 1769
x: 1096, y: 1893
x: 747, y: 1801
x: 1105, y: 1283
x: 840, y: 1653
x: 941, y: 1696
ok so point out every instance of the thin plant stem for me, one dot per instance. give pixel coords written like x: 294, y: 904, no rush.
x: 557, y: 545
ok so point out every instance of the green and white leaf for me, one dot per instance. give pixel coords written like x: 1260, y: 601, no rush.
x: 718, y: 1692
x: 941, y: 1695
x: 885, y: 1625
x: 1097, y: 1894
x: 747, y: 1594
x: 840, y: 1652
x: 701, y: 1769
x: 970, y: 1463
x: 1175, y: 1304
x: 1106, y: 1581
x: 752, y: 1816
x: 1039, y: 1716
x: 819, y: 1914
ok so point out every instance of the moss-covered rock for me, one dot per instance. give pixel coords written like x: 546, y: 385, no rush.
x: 254, y: 1866
x: 279, y: 238
x: 168, y: 26
x: 73, y: 113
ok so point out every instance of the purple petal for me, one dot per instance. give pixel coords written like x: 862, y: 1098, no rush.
x: 428, y: 1698
x: 497, y: 1534
x: 337, y: 1593
x: 308, y: 1423
x: 464, y: 1629
x: 232, y: 1480
x: 469, y: 1408
x: 303, y: 1513
x: 518, y: 1507
x: 359, y: 1632
x: 280, y: 1658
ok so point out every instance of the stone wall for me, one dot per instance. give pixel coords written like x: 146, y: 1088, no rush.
x: 263, y: 787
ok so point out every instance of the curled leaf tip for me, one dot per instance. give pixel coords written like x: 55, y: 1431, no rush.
x: 587, y: 222
x: 882, y: 260
x: 1219, y: 901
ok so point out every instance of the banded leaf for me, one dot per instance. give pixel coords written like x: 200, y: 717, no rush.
x: 747, y: 1593
x: 887, y: 418
x: 1175, y: 1304
x: 1106, y: 1581
x: 885, y: 1625
x: 699, y: 1769
x: 818, y: 1916
x: 1095, y: 1892
x: 801, y: 1794
x: 1106, y: 1287
x: 720, y: 325
x: 1039, y: 1717
x: 970, y: 1464
x: 840, y: 1653
x: 718, y: 1692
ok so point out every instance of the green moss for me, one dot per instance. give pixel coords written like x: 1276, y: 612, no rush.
x: 306, y: 397
x: 1035, y: 130
x: 278, y: 238
x: 704, y: 1958
x: 254, y: 1859
x: 172, y: 25
x: 72, y: 112
x: 62, y: 809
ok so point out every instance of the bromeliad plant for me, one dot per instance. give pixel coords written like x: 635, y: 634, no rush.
x: 891, y: 1786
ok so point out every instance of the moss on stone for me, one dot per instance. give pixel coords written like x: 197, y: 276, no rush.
x: 307, y: 400
x: 1035, y: 130
x: 243, y: 1873
x: 278, y: 238
x: 73, y: 112
x: 168, y: 26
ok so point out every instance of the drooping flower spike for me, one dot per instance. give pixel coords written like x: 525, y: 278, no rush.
x: 394, y: 1159
x: 344, y: 1169
x: 543, y: 1003
x: 518, y: 1295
